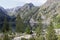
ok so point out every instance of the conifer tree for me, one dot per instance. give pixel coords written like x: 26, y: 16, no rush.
x: 51, y: 33
x: 39, y: 29
x: 10, y: 26
x: 28, y: 30
x: 19, y: 24
x: 5, y: 27
x: 39, y: 33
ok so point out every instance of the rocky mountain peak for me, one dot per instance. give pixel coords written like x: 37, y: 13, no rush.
x: 29, y: 4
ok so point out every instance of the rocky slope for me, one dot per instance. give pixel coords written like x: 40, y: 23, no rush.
x: 49, y: 10
x: 26, y: 12
x: 31, y: 13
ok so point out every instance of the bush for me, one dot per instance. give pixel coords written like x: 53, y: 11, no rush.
x: 23, y: 39
x: 28, y: 31
x: 6, y: 37
x: 0, y: 38
x: 32, y: 39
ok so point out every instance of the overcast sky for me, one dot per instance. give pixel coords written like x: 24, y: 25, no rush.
x: 14, y: 3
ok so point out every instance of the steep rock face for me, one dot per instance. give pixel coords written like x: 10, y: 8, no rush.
x: 29, y: 11
x: 14, y: 11
x: 49, y: 10
x: 26, y: 11
x: 2, y: 12
x: 49, y: 2
x: 46, y: 11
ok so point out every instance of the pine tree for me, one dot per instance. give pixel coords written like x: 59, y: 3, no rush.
x: 19, y: 24
x: 10, y: 26
x: 28, y: 30
x: 39, y: 29
x: 51, y: 33
x: 5, y: 27
x: 39, y: 33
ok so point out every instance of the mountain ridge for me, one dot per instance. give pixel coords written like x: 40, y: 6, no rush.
x: 29, y: 11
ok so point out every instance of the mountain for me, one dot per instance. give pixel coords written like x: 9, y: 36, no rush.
x: 14, y: 11
x: 29, y: 11
x: 3, y: 13
x: 26, y: 12
x: 49, y: 11
x: 31, y: 14
x: 49, y: 2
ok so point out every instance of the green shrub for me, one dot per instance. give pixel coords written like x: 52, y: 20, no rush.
x: 6, y: 37
x: 23, y: 39
x: 32, y: 38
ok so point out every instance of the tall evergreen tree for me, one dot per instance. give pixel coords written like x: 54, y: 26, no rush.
x: 19, y: 24
x: 39, y: 33
x: 28, y: 30
x: 5, y: 27
x: 39, y: 30
x: 51, y: 33
x: 10, y: 26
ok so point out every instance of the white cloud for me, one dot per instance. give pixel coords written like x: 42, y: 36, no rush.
x: 35, y: 2
x: 14, y: 3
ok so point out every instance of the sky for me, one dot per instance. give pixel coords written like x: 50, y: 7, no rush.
x: 14, y: 3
